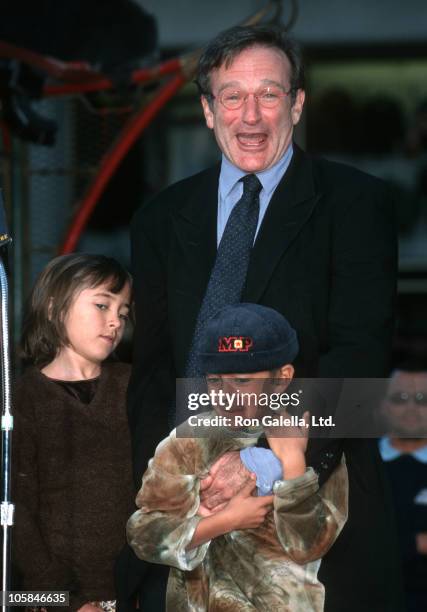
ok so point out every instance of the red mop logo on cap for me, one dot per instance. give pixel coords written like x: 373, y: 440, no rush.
x: 234, y: 344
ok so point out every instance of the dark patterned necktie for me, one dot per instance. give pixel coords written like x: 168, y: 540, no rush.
x: 228, y: 275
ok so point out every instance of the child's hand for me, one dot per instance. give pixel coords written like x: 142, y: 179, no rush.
x: 244, y: 511
x: 292, y: 439
x: 290, y: 447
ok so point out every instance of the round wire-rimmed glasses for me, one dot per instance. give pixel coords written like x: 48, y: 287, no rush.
x: 403, y: 397
x: 233, y: 98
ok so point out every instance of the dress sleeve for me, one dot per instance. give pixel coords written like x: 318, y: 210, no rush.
x: 168, y: 501
x: 308, y: 519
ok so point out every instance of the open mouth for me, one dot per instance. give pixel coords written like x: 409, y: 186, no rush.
x: 252, y: 141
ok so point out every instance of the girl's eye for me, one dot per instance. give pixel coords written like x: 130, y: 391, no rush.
x: 125, y: 317
x: 101, y: 306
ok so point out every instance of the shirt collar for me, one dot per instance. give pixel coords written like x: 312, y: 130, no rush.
x: 270, y: 178
x: 389, y: 453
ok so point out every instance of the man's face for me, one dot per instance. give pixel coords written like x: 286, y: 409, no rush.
x: 405, y: 406
x: 252, y: 137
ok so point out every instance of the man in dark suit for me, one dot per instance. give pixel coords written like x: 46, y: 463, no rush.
x: 323, y: 255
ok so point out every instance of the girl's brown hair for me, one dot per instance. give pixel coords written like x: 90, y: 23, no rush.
x: 58, y: 284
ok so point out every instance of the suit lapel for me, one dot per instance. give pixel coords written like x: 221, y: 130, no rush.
x: 291, y: 206
x: 195, y: 226
x: 195, y: 231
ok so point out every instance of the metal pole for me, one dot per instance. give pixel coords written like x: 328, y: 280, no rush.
x: 7, y: 508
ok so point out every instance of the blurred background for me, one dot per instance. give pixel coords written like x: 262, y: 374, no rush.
x: 366, y: 105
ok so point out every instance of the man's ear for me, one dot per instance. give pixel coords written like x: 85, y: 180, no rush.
x: 297, y: 106
x: 208, y: 112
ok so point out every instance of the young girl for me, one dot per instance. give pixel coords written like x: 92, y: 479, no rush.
x: 72, y: 479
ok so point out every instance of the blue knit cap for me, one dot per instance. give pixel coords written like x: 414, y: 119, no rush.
x: 246, y: 338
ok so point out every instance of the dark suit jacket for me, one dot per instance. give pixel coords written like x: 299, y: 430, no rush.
x: 325, y: 257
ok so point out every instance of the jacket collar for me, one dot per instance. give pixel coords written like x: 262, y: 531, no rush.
x: 291, y: 206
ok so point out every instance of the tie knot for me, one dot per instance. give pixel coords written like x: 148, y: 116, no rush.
x: 251, y: 184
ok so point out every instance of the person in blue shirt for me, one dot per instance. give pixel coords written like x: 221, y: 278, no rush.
x: 404, y: 452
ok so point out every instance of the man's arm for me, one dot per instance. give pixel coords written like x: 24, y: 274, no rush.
x: 152, y: 384
x: 362, y: 294
x: 363, y: 287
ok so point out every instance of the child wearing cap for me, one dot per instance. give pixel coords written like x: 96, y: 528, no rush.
x: 256, y: 553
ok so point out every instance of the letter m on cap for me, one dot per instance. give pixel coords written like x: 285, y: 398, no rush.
x: 234, y: 344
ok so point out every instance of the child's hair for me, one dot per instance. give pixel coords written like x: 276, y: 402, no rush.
x: 56, y: 287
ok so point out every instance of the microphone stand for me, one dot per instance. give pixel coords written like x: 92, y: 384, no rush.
x: 7, y: 508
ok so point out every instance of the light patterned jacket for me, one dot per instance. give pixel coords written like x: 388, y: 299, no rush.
x: 273, y: 567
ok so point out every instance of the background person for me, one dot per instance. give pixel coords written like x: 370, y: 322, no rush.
x: 404, y: 451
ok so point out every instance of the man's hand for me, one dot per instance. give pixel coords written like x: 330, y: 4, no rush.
x: 226, y: 478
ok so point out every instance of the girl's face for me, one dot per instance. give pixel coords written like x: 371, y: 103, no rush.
x: 96, y: 321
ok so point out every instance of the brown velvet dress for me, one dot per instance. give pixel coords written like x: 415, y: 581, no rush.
x: 72, y: 484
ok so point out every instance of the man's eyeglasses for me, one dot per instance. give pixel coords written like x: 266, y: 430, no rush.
x: 233, y: 99
x: 402, y: 397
